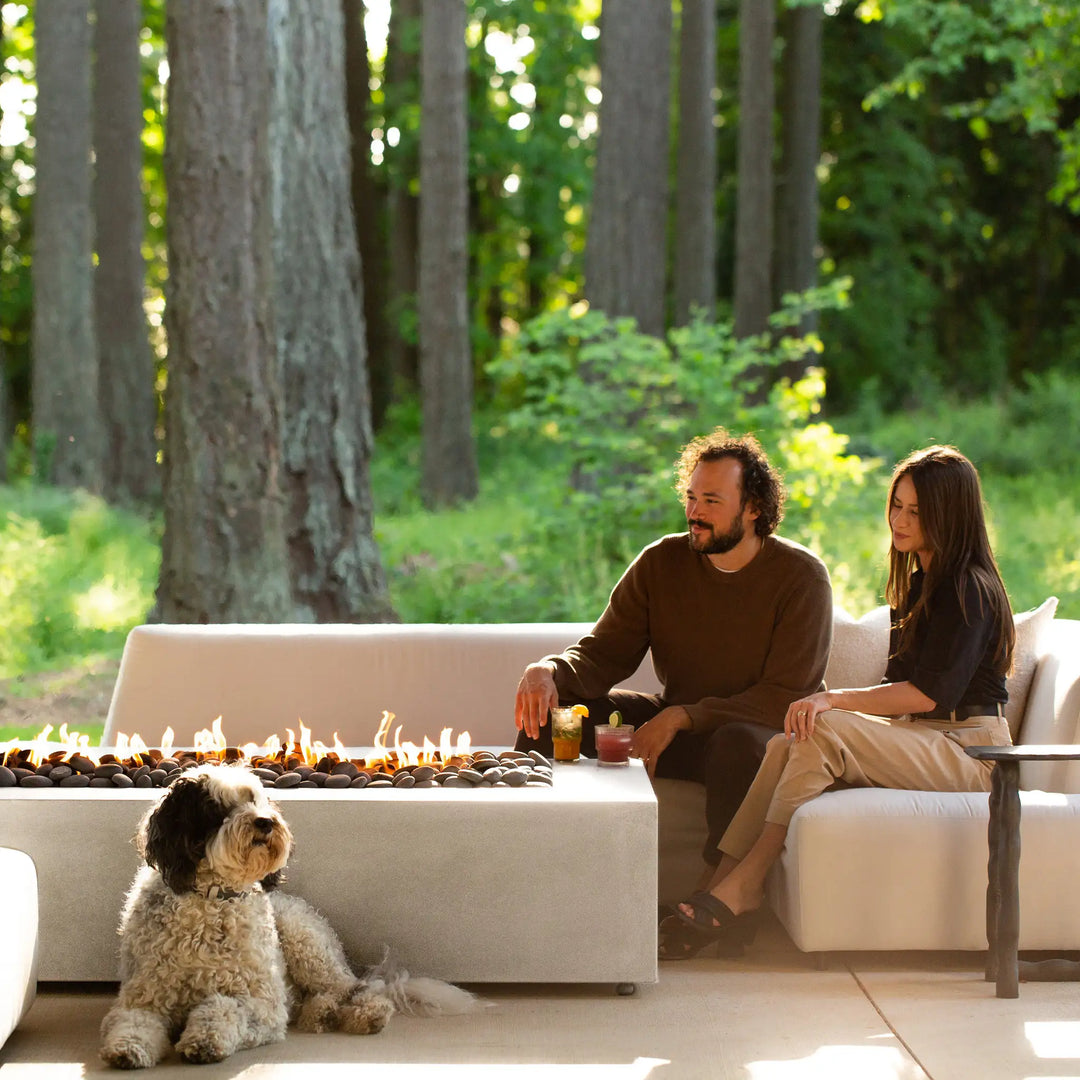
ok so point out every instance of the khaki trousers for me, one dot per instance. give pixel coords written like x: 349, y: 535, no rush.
x: 862, y: 751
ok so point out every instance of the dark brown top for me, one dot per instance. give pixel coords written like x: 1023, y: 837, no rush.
x: 725, y: 646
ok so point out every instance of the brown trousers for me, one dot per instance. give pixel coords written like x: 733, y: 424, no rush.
x: 862, y: 751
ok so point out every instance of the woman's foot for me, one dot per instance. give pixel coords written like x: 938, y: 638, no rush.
x: 731, y: 904
x: 712, y: 919
x: 677, y: 941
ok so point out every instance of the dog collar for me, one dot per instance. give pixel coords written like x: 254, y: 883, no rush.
x: 220, y: 892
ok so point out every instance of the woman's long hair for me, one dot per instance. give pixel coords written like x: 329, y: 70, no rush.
x: 954, y: 529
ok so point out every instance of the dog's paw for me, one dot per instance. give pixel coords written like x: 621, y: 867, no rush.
x: 202, y: 1047
x: 318, y: 1014
x: 128, y: 1054
x: 364, y: 1013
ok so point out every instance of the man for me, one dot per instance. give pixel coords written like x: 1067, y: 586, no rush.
x: 739, y: 622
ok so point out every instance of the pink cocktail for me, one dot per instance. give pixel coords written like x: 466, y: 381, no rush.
x: 613, y: 744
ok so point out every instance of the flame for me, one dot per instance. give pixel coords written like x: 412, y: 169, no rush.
x: 211, y: 743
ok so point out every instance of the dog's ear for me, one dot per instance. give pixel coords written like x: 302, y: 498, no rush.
x: 173, y: 836
x: 273, y: 881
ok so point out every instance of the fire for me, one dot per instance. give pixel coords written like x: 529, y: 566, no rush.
x: 211, y: 744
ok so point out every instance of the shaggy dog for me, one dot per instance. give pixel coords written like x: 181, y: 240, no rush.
x: 213, y: 960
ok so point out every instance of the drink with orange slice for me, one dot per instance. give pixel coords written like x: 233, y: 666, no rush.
x: 566, y: 731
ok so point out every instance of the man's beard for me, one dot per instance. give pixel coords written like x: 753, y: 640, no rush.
x: 718, y: 543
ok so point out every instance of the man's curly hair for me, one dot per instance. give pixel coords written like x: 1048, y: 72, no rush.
x: 762, y: 485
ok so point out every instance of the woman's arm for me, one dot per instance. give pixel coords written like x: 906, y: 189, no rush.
x: 888, y: 699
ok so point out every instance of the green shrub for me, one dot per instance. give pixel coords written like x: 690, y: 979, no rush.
x: 75, y: 576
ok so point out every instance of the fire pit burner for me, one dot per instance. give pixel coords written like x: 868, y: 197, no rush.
x: 296, y: 764
x: 506, y: 769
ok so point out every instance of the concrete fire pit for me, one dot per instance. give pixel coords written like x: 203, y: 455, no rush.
x: 531, y: 884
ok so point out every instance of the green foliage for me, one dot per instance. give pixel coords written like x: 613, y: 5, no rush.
x: 1029, y: 51
x: 962, y: 267
x: 75, y: 576
x: 622, y: 405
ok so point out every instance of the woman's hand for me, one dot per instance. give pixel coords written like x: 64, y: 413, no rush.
x: 802, y: 714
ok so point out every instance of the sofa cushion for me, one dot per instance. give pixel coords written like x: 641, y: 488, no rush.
x: 860, y: 649
x: 1031, y: 629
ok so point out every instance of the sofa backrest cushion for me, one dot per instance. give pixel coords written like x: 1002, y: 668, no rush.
x: 860, y: 649
x: 1031, y: 634
x: 262, y: 679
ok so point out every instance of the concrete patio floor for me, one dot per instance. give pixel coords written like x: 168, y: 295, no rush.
x: 772, y: 1015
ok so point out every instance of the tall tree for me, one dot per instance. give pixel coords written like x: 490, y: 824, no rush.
x: 224, y: 556
x: 754, y: 208
x: 400, y: 92
x: 446, y: 380
x: 625, y: 256
x: 66, y: 418
x: 695, y: 188
x: 127, y: 367
x: 335, y: 570
x: 797, y: 219
x: 369, y: 210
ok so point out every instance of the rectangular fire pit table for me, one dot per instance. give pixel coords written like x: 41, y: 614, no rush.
x: 472, y: 885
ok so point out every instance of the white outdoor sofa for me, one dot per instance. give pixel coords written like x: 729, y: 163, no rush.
x: 863, y: 869
x: 866, y: 869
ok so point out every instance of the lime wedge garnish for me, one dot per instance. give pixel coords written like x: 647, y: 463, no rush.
x: 615, y: 719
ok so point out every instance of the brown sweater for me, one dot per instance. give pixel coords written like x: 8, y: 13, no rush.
x: 725, y: 646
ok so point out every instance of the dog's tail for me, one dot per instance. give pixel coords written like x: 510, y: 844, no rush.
x: 418, y: 995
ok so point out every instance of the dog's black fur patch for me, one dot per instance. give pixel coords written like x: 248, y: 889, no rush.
x: 175, y: 833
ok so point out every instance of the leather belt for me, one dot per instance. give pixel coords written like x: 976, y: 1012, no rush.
x: 962, y: 712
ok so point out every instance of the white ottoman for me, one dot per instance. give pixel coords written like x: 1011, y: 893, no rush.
x: 19, y: 916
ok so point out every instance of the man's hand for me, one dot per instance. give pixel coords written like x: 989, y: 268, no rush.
x: 654, y: 737
x: 536, y: 693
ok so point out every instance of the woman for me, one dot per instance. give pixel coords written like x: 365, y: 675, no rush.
x: 950, y: 649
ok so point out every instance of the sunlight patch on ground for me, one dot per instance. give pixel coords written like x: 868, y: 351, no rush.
x: 641, y: 1069
x: 840, y: 1063
x: 1054, y: 1038
x: 42, y: 1070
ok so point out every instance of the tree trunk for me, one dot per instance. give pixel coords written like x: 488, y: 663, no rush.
x: 369, y: 211
x: 754, y: 213
x: 335, y: 569
x: 797, y: 221
x: 446, y: 378
x: 224, y: 557
x: 625, y: 256
x: 403, y: 230
x: 695, y: 191
x: 66, y: 418
x: 128, y: 400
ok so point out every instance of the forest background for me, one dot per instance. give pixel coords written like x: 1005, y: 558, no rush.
x: 937, y: 305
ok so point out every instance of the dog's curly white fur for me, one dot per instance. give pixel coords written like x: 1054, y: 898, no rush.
x: 212, y: 959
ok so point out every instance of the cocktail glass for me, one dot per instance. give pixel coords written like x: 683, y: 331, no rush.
x: 566, y: 732
x: 614, y: 743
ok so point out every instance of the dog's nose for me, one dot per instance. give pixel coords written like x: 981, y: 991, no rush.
x: 264, y: 824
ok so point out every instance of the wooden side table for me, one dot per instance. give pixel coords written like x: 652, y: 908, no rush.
x: 1003, y: 872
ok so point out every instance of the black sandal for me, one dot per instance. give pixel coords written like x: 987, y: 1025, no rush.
x: 720, y: 923
x: 677, y: 941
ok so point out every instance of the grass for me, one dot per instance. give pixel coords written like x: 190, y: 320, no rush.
x: 76, y: 575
